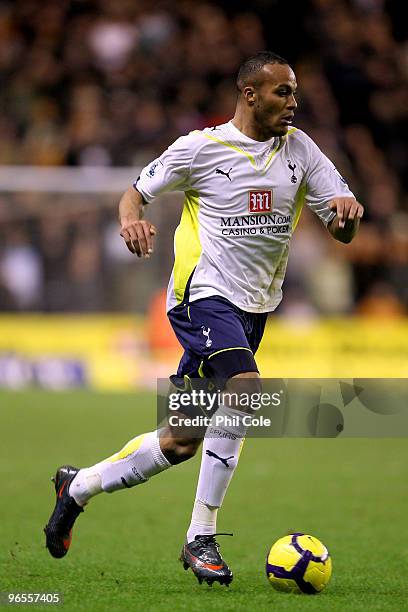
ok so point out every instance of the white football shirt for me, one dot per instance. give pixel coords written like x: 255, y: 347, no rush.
x: 242, y: 202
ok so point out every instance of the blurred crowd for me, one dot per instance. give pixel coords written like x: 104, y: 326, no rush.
x: 114, y: 82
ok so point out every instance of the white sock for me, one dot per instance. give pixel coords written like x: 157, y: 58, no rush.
x: 203, y: 520
x: 221, y: 449
x: 138, y: 460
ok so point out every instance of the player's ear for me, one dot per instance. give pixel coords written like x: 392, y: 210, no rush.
x: 249, y: 94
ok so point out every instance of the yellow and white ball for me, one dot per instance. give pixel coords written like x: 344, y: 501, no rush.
x: 299, y: 563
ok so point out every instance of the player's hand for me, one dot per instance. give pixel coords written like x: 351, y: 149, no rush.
x: 138, y: 236
x: 346, y: 209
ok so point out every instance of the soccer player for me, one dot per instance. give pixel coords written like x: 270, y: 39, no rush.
x: 245, y: 183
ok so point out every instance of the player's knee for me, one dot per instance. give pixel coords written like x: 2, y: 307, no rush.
x: 246, y: 384
x: 186, y: 451
x: 181, y: 450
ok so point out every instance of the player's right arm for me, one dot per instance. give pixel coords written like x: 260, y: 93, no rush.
x: 136, y: 232
x: 169, y: 172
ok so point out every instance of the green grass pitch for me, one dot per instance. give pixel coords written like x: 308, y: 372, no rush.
x: 351, y: 493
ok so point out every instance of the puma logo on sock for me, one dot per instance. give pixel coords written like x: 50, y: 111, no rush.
x: 224, y: 461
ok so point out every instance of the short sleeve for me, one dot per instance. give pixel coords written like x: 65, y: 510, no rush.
x: 169, y: 172
x: 323, y: 183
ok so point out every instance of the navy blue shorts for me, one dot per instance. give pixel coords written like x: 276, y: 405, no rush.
x: 219, y: 339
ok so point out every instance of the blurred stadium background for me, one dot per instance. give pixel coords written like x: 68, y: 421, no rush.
x: 94, y: 89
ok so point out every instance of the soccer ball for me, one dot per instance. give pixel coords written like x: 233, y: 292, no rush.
x: 298, y: 563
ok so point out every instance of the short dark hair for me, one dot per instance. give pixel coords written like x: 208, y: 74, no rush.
x: 249, y: 69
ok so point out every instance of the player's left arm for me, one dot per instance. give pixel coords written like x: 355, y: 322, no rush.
x: 344, y: 226
x: 328, y: 194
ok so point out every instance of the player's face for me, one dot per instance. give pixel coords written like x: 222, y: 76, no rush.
x: 274, y: 100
